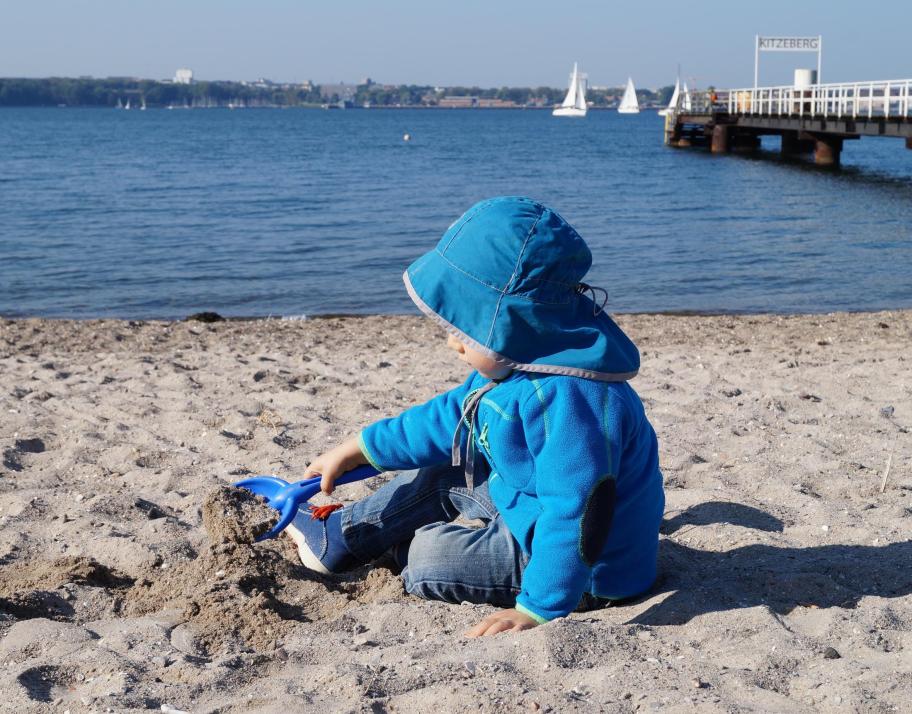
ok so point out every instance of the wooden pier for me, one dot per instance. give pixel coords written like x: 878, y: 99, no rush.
x: 815, y: 119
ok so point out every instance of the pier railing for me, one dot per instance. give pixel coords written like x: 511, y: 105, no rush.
x: 855, y: 100
x: 694, y: 101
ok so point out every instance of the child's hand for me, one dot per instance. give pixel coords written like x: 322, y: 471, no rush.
x: 502, y: 621
x: 335, y: 462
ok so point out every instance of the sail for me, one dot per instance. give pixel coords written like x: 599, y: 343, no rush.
x: 571, y: 99
x: 580, y: 92
x: 686, y: 103
x: 629, y: 103
x: 574, y: 104
x: 673, y: 102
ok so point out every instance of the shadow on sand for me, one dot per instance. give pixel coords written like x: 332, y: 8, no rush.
x: 762, y: 575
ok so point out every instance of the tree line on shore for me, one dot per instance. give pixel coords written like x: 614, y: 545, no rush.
x: 415, y: 95
x: 89, y: 92
x: 56, y: 91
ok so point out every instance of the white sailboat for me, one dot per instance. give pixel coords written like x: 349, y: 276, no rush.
x: 574, y: 104
x: 673, y: 102
x: 629, y: 103
x: 686, y: 102
x: 142, y: 107
x: 128, y: 104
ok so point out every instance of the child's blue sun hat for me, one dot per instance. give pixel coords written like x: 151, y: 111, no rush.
x: 506, y: 280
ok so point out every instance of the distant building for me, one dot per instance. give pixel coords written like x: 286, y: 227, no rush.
x: 497, y: 103
x: 458, y: 102
x: 183, y: 76
x: 260, y: 83
x: 344, y: 92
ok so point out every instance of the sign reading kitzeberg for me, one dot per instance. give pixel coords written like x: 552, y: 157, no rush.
x: 786, y: 44
x: 789, y: 44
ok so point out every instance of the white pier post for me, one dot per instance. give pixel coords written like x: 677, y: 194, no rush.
x: 756, y: 60
x: 819, y: 58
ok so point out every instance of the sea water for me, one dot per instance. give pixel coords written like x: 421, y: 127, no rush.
x: 254, y: 212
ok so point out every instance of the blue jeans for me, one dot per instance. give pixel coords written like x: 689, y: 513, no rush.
x: 412, y: 517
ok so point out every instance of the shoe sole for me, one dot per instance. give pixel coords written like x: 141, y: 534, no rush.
x: 308, y: 559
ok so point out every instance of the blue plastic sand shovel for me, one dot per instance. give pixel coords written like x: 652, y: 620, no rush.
x: 286, y: 497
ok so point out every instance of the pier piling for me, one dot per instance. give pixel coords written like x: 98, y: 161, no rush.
x: 827, y: 150
x: 720, y: 139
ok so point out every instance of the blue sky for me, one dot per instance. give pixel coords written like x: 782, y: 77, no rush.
x: 488, y: 43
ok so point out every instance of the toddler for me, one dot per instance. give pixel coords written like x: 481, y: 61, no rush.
x: 545, y: 443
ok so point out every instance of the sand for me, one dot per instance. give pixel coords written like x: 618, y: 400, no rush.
x: 786, y: 566
x: 236, y: 515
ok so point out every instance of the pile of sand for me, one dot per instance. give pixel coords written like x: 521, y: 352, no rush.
x: 46, y: 588
x: 235, y: 515
x: 237, y: 594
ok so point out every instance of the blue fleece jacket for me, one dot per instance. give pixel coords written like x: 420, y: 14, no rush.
x: 574, y: 472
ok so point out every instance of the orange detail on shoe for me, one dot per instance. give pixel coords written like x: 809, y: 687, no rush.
x: 321, y: 513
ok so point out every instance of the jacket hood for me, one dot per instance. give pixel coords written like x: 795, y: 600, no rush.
x: 506, y: 279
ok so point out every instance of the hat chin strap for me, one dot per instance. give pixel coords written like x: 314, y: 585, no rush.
x: 596, y: 308
x: 469, y: 411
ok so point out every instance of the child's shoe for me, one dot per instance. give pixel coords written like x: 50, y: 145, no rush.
x: 321, y: 546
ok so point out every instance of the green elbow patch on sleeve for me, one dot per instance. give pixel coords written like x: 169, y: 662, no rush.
x: 367, y: 453
x: 535, y: 616
x: 596, y: 521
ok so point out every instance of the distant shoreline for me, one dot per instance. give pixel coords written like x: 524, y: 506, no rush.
x: 643, y: 110
x: 9, y: 320
x: 135, y: 93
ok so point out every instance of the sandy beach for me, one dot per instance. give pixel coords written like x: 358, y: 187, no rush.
x: 785, y: 563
